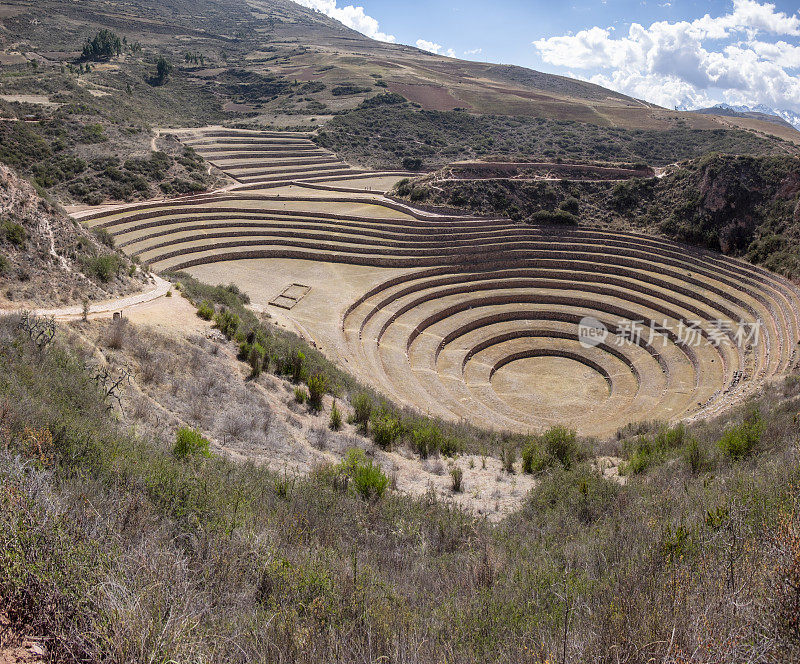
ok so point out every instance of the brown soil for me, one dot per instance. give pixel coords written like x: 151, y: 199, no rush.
x: 432, y: 97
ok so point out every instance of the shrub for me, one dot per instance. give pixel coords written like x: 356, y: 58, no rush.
x: 368, y: 480
x: 336, y: 418
x: 426, y: 439
x: 740, y: 441
x: 116, y: 334
x: 13, y: 233
x: 456, y: 475
x: 190, y: 442
x: 559, y: 217
x: 670, y: 438
x: 561, y: 444
x: 534, y: 459
x: 297, y: 365
x: 570, y: 205
x: 412, y: 163
x: 579, y: 493
x: 255, y: 358
x: 403, y: 188
x: 349, y: 89
x: 104, y: 267
x: 4, y: 265
x: 300, y: 395
x: 508, y: 456
x: 362, y: 410
x: 317, y: 386
x: 650, y: 450
x: 205, y: 310
x: 693, y: 455
x: 227, y: 323
x: 386, y: 429
x: 640, y: 460
x: 104, y: 236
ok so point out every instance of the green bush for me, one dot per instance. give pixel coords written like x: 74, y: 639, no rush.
x: 653, y: 449
x: 228, y: 323
x: 190, y: 442
x: 403, y: 188
x: 255, y: 358
x: 349, y: 89
x: 368, y: 480
x: 534, y: 459
x: 640, y: 460
x: 4, y: 264
x: 457, y: 477
x: 104, y: 236
x: 13, y: 233
x: 508, y: 456
x: 561, y: 444
x: 317, y: 386
x: 300, y: 395
x: 362, y: 410
x: 336, y: 418
x: 297, y: 366
x: 570, y: 205
x: 557, y: 445
x: 386, y: 428
x: 580, y: 493
x: 104, y: 267
x: 558, y: 217
x: 426, y: 438
x: 205, y: 310
x: 740, y: 441
x: 693, y: 455
x: 412, y: 163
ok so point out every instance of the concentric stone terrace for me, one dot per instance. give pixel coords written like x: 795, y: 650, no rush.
x: 479, y: 319
x: 259, y: 159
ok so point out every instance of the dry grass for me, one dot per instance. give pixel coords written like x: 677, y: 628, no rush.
x: 219, y: 561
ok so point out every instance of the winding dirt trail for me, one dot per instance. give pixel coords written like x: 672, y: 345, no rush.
x: 160, y: 287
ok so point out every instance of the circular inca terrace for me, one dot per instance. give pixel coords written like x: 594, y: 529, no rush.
x: 479, y: 319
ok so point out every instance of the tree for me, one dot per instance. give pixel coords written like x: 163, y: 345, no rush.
x: 104, y: 46
x: 163, y: 69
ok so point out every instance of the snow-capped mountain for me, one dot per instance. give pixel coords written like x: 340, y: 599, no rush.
x: 791, y: 117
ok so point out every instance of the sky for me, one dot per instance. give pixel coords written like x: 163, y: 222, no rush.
x: 675, y: 53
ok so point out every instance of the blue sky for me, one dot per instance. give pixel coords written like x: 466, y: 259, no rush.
x: 674, y: 53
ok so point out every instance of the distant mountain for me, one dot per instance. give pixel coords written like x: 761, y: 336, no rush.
x: 760, y: 112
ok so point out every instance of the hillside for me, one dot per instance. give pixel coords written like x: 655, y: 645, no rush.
x: 283, y: 43
x: 90, y: 121
x: 398, y: 358
x: 48, y: 259
x: 741, y: 206
x: 383, y: 135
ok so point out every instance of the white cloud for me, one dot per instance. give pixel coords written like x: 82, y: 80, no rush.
x: 351, y: 16
x: 474, y: 51
x: 691, y: 63
x: 426, y: 45
x: 433, y: 47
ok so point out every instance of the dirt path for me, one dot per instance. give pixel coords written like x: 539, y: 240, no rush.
x: 159, y: 289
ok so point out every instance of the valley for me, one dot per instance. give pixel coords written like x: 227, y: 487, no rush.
x: 316, y: 348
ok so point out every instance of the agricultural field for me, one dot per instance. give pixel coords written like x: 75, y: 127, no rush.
x: 463, y: 316
x: 316, y: 348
